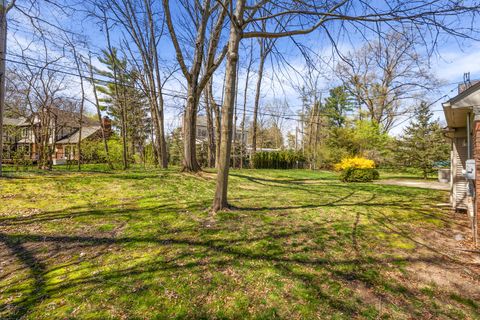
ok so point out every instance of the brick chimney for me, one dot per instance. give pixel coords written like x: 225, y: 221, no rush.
x: 107, y: 126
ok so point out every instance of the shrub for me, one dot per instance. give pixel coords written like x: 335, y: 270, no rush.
x: 359, y: 175
x: 93, y: 151
x: 278, y: 160
x: 21, y: 158
x: 357, y: 169
x: 355, y: 163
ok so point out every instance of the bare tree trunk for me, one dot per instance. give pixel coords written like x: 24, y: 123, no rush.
x: 122, y: 103
x: 189, y: 133
x: 143, y: 34
x: 160, y: 113
x: 257, y: 97
x: 4, y: 8
x: 316, y: 111
x: 220, y: 200
x: 247, y: 78
x: 154, y: 148
x: 218, y: 122
x: 99, y: 116
x: 155, y: 133
x: 195, y: 83
x: 3, y: 49
x: 161, y: 138
x: 210, y: 131
x: 82, y: 102
x: 123, y: 119
x: 234, y: 163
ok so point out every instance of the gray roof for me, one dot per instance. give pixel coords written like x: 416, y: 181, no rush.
x: 474, y: 87
x: 86, y: 132
x: 17, y: 122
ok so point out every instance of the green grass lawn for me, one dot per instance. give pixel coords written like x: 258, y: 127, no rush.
x: 298, y: 244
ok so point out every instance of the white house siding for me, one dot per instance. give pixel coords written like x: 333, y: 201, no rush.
x: 459, y: 183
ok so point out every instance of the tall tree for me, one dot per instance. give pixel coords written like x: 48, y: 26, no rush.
x: 210, y: 112
x: 266, y: 46
x: 207, y: 20
x: 43, y: 94
x: 124, y: 102
x: 220, y: 200
x: 423, y: 143
x: 5, y: 7
x: 337, y: 105
x: 72, y: 44
x: 245, y: 95
x: 386, y: 74
x: 144, y: 27
x: 304, y: 18
x: 99, y: 115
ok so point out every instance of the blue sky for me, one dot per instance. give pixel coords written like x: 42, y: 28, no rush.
x: 448, y: 63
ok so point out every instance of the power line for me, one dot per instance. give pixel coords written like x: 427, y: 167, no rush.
x: 425, y: 107
x: 174, y: 94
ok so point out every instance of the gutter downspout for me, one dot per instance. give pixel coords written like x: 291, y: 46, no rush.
x: 469, y: 135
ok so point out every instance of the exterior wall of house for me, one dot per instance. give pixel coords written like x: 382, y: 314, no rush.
x: 66, y: 152
x: 459, y: 184
x: 16, y: 138
x: 476, y: 156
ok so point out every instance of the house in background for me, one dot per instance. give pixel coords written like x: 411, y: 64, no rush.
x: 17, y: 136
x: 202, y: 133
x: 20, y: 135
x: 462, y: 114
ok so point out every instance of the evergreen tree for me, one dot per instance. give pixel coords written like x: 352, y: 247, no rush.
x: 422, y: 143
x: 124, y: 102
x: 337, y: 105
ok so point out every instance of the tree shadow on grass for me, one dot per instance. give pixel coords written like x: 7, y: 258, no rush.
x: 37, y: 271
x: 355, y: 269
x: 228, y: 249
x: 298, y: 185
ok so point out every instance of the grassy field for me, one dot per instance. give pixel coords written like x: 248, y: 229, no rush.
x: 297, y: 245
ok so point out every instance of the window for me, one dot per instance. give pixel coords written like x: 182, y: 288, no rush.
x: 69, y: 152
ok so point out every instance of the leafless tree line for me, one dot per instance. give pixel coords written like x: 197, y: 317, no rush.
x: 206, y: 37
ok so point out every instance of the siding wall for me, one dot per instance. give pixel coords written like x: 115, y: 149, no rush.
x: 459, y: 183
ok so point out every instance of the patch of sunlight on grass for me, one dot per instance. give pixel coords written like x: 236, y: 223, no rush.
x: 142, y: 244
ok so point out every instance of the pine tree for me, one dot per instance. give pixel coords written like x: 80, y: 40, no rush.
x: 124, y: 102
x: 422, y: 143
x: 337, y: 105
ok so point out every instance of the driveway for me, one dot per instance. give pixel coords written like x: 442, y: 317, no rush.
x: 425, y: 184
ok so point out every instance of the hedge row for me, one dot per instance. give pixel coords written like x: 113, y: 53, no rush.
x: 278, y: 160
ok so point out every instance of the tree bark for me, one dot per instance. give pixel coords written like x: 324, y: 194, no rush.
x: 195, y: 83
x: 160, y: 112
x: 210, y: 130
x: 3, y: 50
x: 189, y: 134
x: 247, y: 78
x: 218, y: 122
x: 82, y: 102
x: 220, y: 201
x: 117, y: 95
x: 257, y: 99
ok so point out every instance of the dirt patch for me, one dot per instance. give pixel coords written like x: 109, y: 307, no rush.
x: 453, y: 266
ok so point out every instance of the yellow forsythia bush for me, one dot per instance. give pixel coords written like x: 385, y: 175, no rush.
x: 355, y: 163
